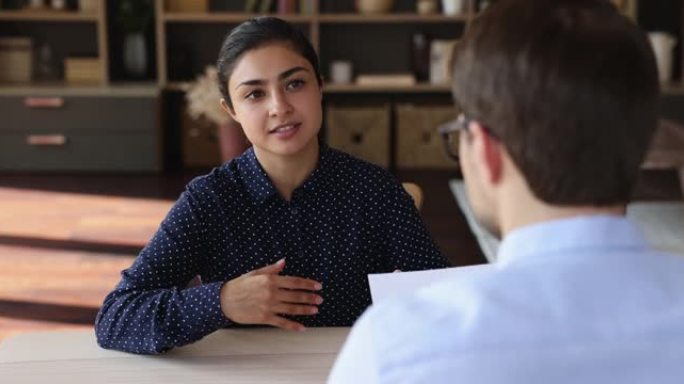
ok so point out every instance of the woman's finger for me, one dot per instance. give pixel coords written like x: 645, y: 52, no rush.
x: 298, y: 297
x: 295, y: 309
x: 281, y: 322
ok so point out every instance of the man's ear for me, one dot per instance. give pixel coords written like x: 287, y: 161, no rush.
x: 488, y: 152
x: 229, y: 110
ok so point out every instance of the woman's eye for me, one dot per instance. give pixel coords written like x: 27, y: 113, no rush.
x: 295, y: 84
x: 254, y: 95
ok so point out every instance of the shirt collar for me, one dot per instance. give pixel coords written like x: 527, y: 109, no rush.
x: 259, y: 185
x: 560, y: 237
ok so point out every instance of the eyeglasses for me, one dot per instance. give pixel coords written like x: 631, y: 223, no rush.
x: 450, y: 133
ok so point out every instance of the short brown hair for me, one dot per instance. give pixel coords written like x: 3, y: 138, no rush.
x: 570, y: 89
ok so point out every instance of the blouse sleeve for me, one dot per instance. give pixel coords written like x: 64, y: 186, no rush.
x: 151, y: 310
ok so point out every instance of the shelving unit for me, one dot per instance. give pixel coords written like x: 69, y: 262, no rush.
x: 182, y: 44
x: 75, y: 18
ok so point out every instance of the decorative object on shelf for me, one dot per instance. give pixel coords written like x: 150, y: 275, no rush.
x: 484, y: 4
x: 89, y: 6
x: 374, y: 6
x: 203, y: 98
x: 46, y: 67
x: 265, y: 6
x: 83, y: 70
x: 287, y: 6
x: 15, y: 59
x: 341, y: 72
x: 420, y: 56
x: 306, y: 7
x: 426, y: 7
x: 663, y: 44
x: 452, y: 7
x: 191, y: 6
x: 59, y: 5
x: 251, y: 6
x: 386, y: 80
x: 440, y: 61
x: 134, y: 17
x: 35, y: 4
x: 628, y: 7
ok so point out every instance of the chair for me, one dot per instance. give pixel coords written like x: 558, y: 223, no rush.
x: 416, y: 193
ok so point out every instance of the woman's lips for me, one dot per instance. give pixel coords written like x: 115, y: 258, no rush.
x: 286, y: 130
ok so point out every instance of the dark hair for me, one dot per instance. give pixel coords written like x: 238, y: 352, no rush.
x: 253, y: 34
x: 570, y: 89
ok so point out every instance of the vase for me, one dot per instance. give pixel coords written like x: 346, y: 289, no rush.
x: 374, y: 6
x: 135, y: 54
x: 232, y: 140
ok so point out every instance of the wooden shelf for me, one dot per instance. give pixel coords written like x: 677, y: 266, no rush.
x: 228, y: 17
x: 56, y: 16
x: 65, y: 89
x: 350, y: 88
x: 356, y: 18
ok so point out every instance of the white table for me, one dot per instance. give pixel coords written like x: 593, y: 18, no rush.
x: 227, y: 356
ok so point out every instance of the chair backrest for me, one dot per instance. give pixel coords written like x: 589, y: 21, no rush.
x: 416, y: 193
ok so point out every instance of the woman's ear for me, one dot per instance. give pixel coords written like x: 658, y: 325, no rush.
x: 229, y: 110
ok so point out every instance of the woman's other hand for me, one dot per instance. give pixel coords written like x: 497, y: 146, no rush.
x: 262, y: 295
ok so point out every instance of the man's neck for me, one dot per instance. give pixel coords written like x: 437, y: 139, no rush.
x: 520, y: 208
x: 289, y: 172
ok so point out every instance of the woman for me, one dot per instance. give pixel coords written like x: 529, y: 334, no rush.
x: 283, y: 235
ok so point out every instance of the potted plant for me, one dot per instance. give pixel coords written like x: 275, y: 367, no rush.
x: 203, y: 98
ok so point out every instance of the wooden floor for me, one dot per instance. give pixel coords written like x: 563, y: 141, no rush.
x: 64, y: 239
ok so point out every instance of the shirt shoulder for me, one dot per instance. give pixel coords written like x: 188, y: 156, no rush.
x: 362, y: 173
x: 223, y: 185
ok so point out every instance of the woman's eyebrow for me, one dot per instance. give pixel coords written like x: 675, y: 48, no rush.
x: 282, y: 76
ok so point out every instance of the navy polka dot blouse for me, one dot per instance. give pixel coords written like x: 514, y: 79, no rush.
x: 348, y: 219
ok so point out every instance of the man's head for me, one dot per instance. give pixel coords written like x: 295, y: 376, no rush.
x: 565, y: 92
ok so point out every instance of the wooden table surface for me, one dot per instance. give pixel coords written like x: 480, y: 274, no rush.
x: 258, y: 355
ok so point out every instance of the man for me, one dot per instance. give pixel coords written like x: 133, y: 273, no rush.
x: 559, y: 102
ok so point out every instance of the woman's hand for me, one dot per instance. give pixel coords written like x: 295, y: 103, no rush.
x: 262, y: 295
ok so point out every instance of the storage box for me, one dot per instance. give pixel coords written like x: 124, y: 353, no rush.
x: 363, y: 132
x: 15, y: 59
x: 419, y: 145
x: 89, y: 6
x: 83, y: 70
x: 187, y: 5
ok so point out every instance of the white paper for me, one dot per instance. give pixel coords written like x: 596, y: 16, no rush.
x: 384, y: 285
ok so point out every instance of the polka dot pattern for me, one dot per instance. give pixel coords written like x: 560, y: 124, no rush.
x: 348, y: 219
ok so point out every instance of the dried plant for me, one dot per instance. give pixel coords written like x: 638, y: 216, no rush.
x: 203, y: 97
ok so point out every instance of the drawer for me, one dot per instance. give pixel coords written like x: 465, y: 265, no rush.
x: 78, y: 113
x: 362, y: 131
x: 104, y: 151
x: 419, y: 145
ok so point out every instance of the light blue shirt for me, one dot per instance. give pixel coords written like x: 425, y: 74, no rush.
x: 582, y: 300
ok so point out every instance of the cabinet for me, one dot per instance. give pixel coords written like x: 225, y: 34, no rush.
x: 74, y: 118
x: 57, y: 129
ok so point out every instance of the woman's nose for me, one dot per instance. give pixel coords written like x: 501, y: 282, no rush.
x: 280, y: 105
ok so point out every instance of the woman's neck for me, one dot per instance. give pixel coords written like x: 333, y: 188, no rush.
x: 289, y: 172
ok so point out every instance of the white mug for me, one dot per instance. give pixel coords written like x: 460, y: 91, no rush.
x: 452, y: 7
x: 341, y: 72
x: 663, y: 44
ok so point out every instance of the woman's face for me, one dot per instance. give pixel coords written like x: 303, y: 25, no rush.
x: 277, y: 100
